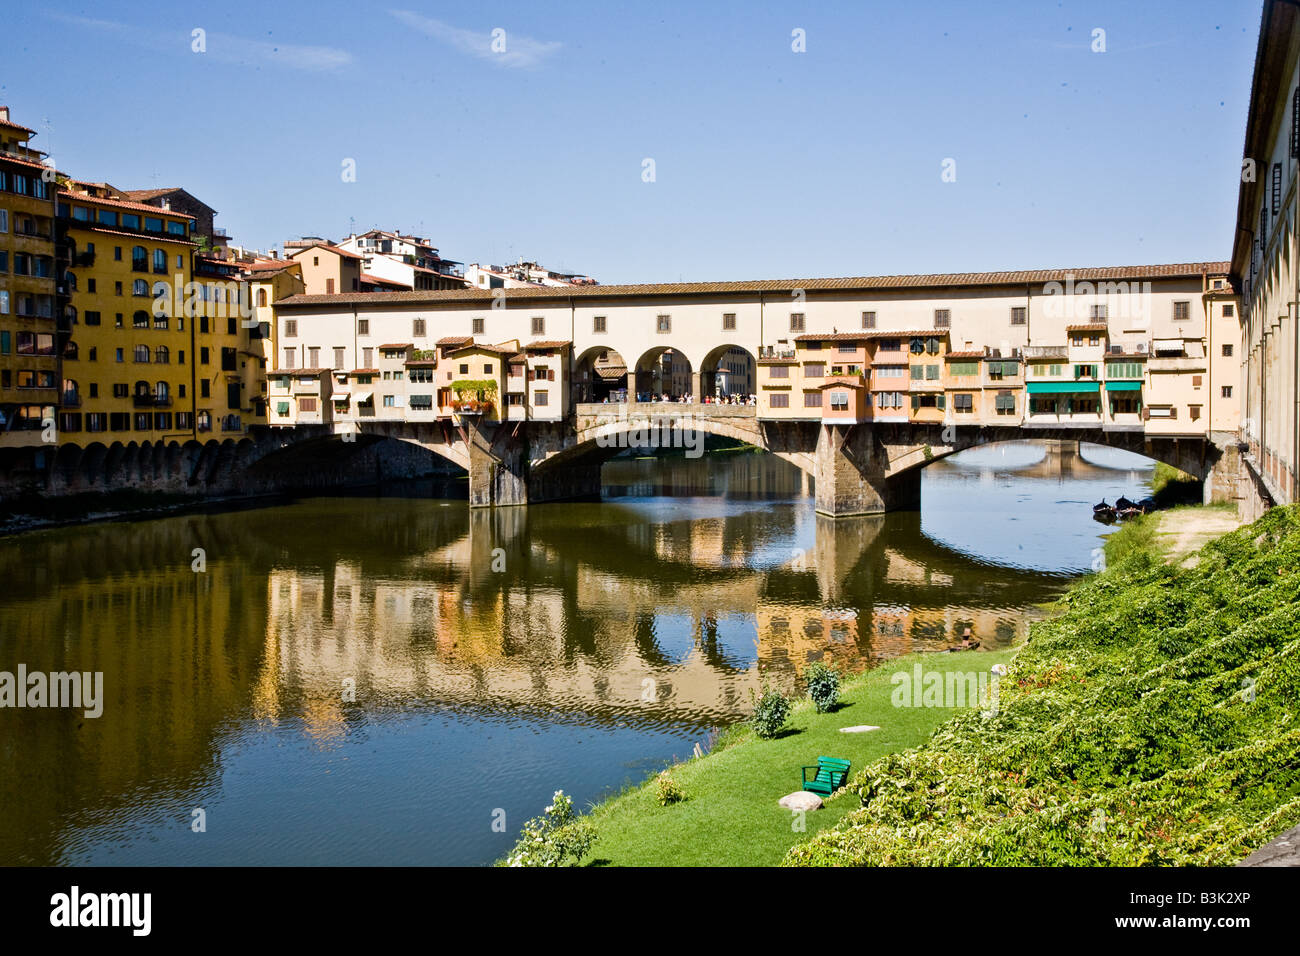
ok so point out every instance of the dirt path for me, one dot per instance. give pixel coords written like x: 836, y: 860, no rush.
x: 1182, y: 533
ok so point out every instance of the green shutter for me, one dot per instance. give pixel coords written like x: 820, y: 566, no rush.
x: 918, y: 372
x: 916, y: 402
x: 932, y: 372
x: 939, y: 401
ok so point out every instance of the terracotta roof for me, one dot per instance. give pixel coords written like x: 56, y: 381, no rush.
x: 328, y: 248
x: 1183, y: 270
x: 1088, y: 327
x: 973, y: 353
x: 855, y: 336
x: 12, y: 125
x: 498, y: 349
x: 364, y: 371
x: 123, y: 204
x: 298, y: 371
x: 421, y: 362
x: 858, y: 384
x: 554, y: 344
x: 398, y: 345
x: 150, y: 236
x: 376, y: 280
x: 5, y: 157
x: 454, y: 340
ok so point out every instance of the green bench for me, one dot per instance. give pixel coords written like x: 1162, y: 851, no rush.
x: 830, y: 776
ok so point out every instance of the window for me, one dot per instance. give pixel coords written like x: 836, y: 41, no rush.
x: 160, y: 261
x: 1196, y: 381
x: 1194, y: 411
x: 812, y: 399
x: 890, y: 345
x: 1227, y: 349
x: 476, y: 326
x: 540, y: 398
x: 839, y: 401
x: 1226, y: 391
x: 779, y: 400
x: 1277, y: 187
x: 539, y: 324
x: 368, y: 357
x: 290, y: 328
x: 942, y: 318
x: 1181, y: 311
x: 598, y: 323
x: 868, y: 320
x: 663, y: 323
x: 1018, y: 314
x: 140, y: 287
x: 814, y: 370
x: 313, y: 354
x: 487, y: 368
x: 796, y: 322
x: 309, y: 404
x: 162, y: 355
x: 779, y: 371
x: 140, y: 259
x: 728, y: 321
x: 1229, y: 311
x: 418, y: 328
x: 142, y: 353
x: 1097, y: 313
x: 963, y: 402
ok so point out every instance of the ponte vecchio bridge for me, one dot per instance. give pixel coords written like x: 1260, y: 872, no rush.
x: 858, y: 382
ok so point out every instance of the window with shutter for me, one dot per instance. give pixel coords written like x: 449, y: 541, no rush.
x: 1277, y: 187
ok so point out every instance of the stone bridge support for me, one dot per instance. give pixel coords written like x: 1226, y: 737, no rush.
x: 852, y: 474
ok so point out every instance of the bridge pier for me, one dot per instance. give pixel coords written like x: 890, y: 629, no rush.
x: 850, y: 476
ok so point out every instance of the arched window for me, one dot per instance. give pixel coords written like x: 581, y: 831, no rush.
x: 140, y: 319
x: 70, y: 280
x: 261, y: 297
x: 70, y: 351
x: 70, y: 396
x: 142, y: 353
x: 142, y: 390
x: 161, y: 355
x: 161, y: 393
x: 160, y: 260
x: 139, y: 287
x: 139, y: 258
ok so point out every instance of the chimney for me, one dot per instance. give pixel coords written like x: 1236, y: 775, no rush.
x: 4, y: 114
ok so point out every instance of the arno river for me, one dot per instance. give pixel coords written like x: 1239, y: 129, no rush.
x: 367, y: 679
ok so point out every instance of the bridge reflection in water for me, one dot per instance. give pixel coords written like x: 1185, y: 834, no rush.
x: 645, y: 621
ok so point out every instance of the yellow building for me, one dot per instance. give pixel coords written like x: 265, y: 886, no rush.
x: 31, y: 336
x: 133, y: 367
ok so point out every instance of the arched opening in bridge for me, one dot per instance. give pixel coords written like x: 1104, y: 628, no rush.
x: 729, y: 373
x: 665, y: 374
x: 599, y: 375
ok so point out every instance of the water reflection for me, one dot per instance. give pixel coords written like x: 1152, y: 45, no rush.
x: 494, y: 656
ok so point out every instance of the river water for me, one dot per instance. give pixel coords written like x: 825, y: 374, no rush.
x: 375, y: 678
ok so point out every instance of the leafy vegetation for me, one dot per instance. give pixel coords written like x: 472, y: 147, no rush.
x: 823, y: 686
x: 771, y: 712
x: 557, y: 838
x: 667, y: 790
x: 1153, y: 722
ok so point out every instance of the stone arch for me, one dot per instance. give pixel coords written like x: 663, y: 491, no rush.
x: 663, y: 369
x: 92, y: 465
x: 728, y: 369
x: 597, y: 376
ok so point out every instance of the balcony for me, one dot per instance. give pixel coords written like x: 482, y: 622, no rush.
x: 70, y: 400
x: 1032, y: 353
x: 774, y: 353
x: 151, y: 401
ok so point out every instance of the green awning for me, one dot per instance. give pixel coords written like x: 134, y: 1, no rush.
x: 1057, y: 388
x: 1123, y: 386
x: 282, y: 408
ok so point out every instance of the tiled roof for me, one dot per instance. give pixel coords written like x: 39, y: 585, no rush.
x: 328, y: 248
x: 498, y: 349
x: 123, y: 204
x: 454, y: 340
x: 1088, y: 327
x: 376, y: 280
x: 398, y: 345
x: 972, y: 353
x: 12, y: 125
x: 7, y: 158
x: 555, y: 344
x: 364, y: 371
x: 873, y: 334
x: 299, y: 371
x: 1183, y: 270
x: 149, y: 236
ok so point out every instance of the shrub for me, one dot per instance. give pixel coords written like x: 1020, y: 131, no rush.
x: 771, y: 711
x: 669, y: 790
x: 823, y: 686
x: 554, y: 837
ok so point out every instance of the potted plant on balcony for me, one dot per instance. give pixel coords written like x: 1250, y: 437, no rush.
x: 475, y: 396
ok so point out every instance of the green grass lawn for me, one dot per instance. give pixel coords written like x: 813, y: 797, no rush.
x: 730, y: 816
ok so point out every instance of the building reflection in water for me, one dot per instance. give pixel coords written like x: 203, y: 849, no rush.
x: 332, y: 615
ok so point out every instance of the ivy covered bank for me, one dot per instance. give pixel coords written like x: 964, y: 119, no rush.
x: 1153, y: 722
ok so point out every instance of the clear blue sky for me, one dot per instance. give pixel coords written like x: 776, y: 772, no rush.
x: 768, y: 163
